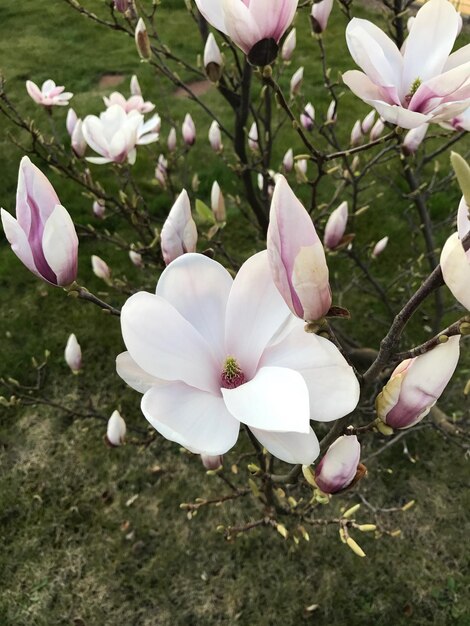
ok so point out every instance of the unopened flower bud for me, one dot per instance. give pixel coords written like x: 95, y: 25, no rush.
x: 161, y: 171
x: 71, y: 121
x: 288, y: 161
x: 188, y: 130
x: 331, y: 113
x: 368, y: 122
x: 253, y: 142
x: 100, y: 268
x: 338, y: 468
x: 336, y: 226
x: 135, y: 86
x: 213, y: 61
x: 319, y: 16
x: 215, y: 137
x: 379, y: 247
x: 99, y: 209
x: 179, y: 233
x: 414, y: 138
x: 218, y: 203
x: 289, y: 45
x: 136, y: 258
x: 212, y: 462
x: 308, y: 116
x: 142, y: 41
x: 121, y: 5
x: 377, y: 129
x: 78, y: 140
x: 171, y: 141
x: 296, y: 82
x: 356, y: 134
x: 73, y: 354
x: 116, y: 430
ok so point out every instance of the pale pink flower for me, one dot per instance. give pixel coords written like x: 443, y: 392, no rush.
x: 320, y: 14
x: 414, y: 138
x: 209, y: 352
x: 336, y: 226
x: 416, y: 385
x: 116, y: 430
x: 71, y: 120
x: 188, y: 130
x: 289, y: 45
x: 73, y: 354
x: 49, y: 95
x: 455, y: 261
x: 179, y: 232
x: 338, y: 468
x: 134, y: 103
x: 42, y: 236
x: 171, y: 141
x: 288, y: 161
x: 296, y: 256
x: 423, y: 82
x: 255, y: 26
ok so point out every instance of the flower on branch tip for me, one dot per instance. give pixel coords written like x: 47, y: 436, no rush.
x: 296, y: 256
x: 289, y: 45
x: 215, y: 137
x: 42, y: 236
x: 379, y: 247
x: 416, y: 385
x: 421, y: 83
x: 188, y: 130
x: 336, y: 226
x: 100, y: 268
x: 255, y: 26
x: 320, y: 14
x: 338, y: 467
x: 213, y: 62
x: 179, y: 232
x: 210, y: 352
x: 73, y: 354
x: 49, y: 95
x: 116, y: 430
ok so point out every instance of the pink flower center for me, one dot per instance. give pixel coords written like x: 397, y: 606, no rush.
x: 232, y: 375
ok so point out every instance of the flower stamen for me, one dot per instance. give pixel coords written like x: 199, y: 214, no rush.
x: 232, y: 375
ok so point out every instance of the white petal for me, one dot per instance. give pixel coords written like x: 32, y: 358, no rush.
x: 18, y: 241
x: 290, y: 447
x: 195, y: 419
x: 240, y: 24
x: 135, y: 376
x: 198, y: 288
x: 213, y: 12
x: 455, y: 267
x: 60, y: 245
x: 276, y: 399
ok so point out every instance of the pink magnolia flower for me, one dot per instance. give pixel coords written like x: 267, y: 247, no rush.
x: 336, y: 226
x: 73, y: 354
x: 459, y: 122
x: 296, y: 256
x: 338, y: 467
x: 134, y: 103
x: 423, y: 82
x: 320, y: 14
x: 49, y: 95
x: 209, y: 352
x: 255, y: 26
x: 416, y: 385
x: 42, y: 236
x: 179, y: 232
x: 455, y: 261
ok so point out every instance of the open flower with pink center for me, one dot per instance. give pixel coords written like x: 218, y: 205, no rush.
x: 49, y: 95
x: 210, y: 353
x: 134, y: 103
x: 422, y: 82
x: 256, y: 26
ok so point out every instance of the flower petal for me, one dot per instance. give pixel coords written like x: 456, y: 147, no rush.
x: 240, y: 24
x: 276, y: 399
x: 290, y: 447
x: 195, y: 419
x: 18, y: 241
x: 213, y: 12
x: 60, y: 246
x: 135, y: 376
x: 456, y: 270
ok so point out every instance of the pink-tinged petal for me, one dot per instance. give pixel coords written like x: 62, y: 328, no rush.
x: 212, y: 11
x: 290, y: 447
x: 447, y: 111
x: 240, y: 24
x: 165, y: 345
x: 414, y: 138
x: 35, y: 199
x: 333, y: 388
x: 362, y: 86
x: 93, y: 132
x: 118, y: 146
x: 179, y: 232
x: 336, y: 226
x: 459, y: 57
x: 255, y: 311
x: 273, y: 17
x: 198, y: 288
x: 456, y: 270
x: 463, y: 220
x: 338, y: 467
x: 18, y: 241
x: 34, y: 91
x: 195, y: 419
x: 48, y: 86
x: 131, y: 157
x: 135, y: 376
x: 430, y: 42
x: 60, y: 246
x: 374, y: 52
x: 71, y: 121
x: 144, y: 140
x: 99, y: 160
x: 428, y: 93
x: 398, y: 115
x: 276, y: 399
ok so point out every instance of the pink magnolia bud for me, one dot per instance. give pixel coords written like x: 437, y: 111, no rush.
x: 301, y: 166
x: 377, y: 129
x: 142, y: 41
x: 288, y: 161
x: 213, y: 61
x: 296, y: 82
x: 78, y: 140
x: 136, y: 258
x: 116, y: 430
x: 308, y: 116
x: 414, y: 138
x: 212, y: 462
x: 331, y: 113
x: 338, y: 467
x: 379, y: 247
x: 218, y: 203
x: 253, y: 142
x: 71, y: 121
x: 356, y: 134
x: 179, y: 232
x: 135, y: 86
x: 171, y: 141
x: 320, y: 14
x: 296, y: 256
x: 100, y: 268
x: 73, y: 354
x: 416, y: 385
x: 215, y: 137
x: 336, y: 226
x: 368, y: 122
x: 99, y: 209
x: 161, y: 173
x: 455, y: 261
x: 289, y: 45
x: 121, y: 5
x: 188, y: 130
x: 42, y: 236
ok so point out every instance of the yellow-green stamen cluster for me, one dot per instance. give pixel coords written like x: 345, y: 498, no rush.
x: 232, y: 375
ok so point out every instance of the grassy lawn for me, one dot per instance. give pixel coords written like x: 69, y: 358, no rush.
x: 93, y: 536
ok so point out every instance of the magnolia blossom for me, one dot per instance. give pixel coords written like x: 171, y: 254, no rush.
x: 289, y: 45
x: 115, y: 134
x: 296, y: 81
x: 336, y: 226
x: 49, y: 95
x: 188, y: 130
x: 218, y: 203
x: 99, y: 209
x: 215, y: 137
x: 379, y: 247
x: 414, y: 138
x: 77, y: 140
x: 288, y: 161
x: 416, y: 385
x: 121, y: 5
x: 319, y: 16
x: 356, y: 133
x: 213, y: 61
x: 331, y: 112
x: 459, y: 122
x: 209, y: 352
x: 307, y: 117
x: 455, y: 261
x: 419, y: 84
x: 172, y: 140
x: 161, y: 172
x: 253, y: 138
x: 179, y: 232
x: 100, y: 268
x: 377, y: 129
x: 71, y: 120
x: 42, y: 236
x: 296, y: 256
x: 73, y: 354
x: 134, y: 103
x: 254, y: 26
x: 368, y: 122
x: 135, y: 86
x: 116, y: 430
x: 338, y: 467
